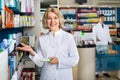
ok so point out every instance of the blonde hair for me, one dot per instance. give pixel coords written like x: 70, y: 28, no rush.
x: 57, y: 12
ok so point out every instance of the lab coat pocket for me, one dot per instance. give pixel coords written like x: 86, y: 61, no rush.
x: 65, y: 51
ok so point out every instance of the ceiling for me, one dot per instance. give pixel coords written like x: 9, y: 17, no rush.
x: 47, y: 3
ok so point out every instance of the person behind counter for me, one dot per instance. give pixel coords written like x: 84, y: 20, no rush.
x: 56, y: 52
x: 102, y: 35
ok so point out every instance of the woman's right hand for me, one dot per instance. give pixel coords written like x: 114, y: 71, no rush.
x: 27, y: 48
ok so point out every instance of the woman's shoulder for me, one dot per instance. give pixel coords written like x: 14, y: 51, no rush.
x: 67, y: 34
x: 43, y: 36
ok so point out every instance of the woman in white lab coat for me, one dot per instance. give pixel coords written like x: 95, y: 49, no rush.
x: 56, y: 52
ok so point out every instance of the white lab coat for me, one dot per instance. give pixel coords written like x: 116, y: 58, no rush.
x: 102, y: 34
x: 61, y: 45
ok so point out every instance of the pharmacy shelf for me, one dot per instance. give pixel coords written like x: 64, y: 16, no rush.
x: 15, y: 10
x: 4, y: 32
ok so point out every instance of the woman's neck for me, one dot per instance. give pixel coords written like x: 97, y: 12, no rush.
x: 53, y: 31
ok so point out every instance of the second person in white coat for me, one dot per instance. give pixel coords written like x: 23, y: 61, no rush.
x: 102, y: 35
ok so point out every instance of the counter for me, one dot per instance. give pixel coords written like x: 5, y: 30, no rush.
x: 86, y: 65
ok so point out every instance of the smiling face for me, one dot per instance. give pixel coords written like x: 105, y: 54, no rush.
x: 53, y: 22
x: 53, y: 19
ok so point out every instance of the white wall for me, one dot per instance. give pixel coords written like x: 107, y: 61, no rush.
x: 72, y: 2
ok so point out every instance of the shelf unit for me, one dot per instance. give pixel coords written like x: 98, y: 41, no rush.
x: 69, y: 16
x: 110, y: 19
x: 27, y: 19
x: 118, y: 17
x: 13, y: 60
x: 6, y: 30
x: 86, y: 16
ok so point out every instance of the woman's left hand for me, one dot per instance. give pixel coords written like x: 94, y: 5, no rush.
x: 53, y: 60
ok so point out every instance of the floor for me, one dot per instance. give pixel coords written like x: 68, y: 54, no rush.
x: 113, y: 76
